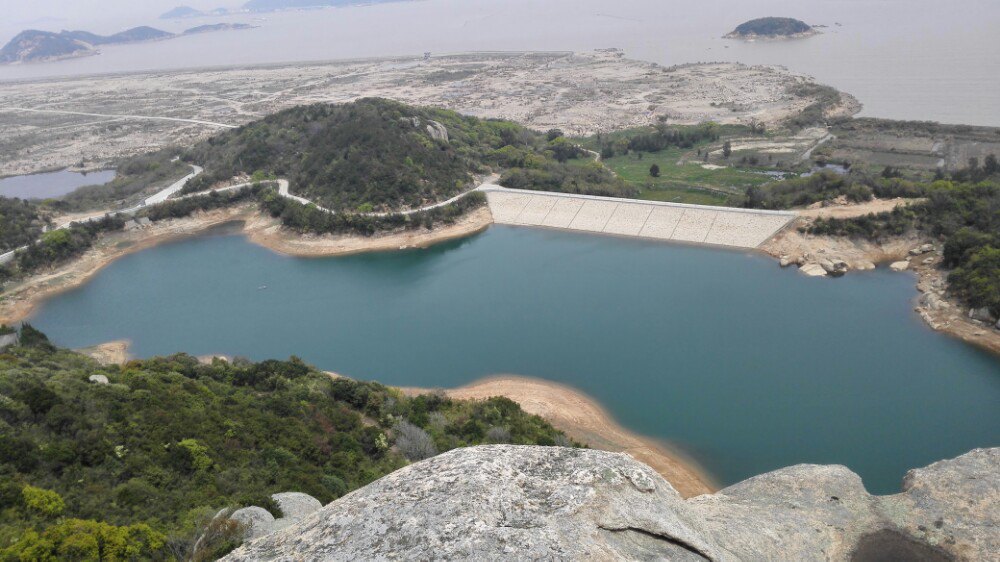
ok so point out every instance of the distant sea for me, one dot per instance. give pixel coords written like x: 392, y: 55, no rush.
x: 904, y: 59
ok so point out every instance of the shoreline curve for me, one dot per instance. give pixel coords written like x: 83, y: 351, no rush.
x: 585, y: 420
x: 20, y: 301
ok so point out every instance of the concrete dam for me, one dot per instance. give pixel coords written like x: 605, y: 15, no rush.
x: 696, y: 224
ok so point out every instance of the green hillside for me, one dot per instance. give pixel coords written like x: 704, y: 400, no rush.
x: 158, y: 451
x: 381, y: 155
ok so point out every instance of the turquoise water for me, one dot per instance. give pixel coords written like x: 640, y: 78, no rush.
x: 747, y: 366
x: 51, y: 184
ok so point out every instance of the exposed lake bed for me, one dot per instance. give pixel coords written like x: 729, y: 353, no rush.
x: 663, y: 336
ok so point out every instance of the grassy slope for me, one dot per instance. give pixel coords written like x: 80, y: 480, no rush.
x: 684, y: 183
x: 679, y: 183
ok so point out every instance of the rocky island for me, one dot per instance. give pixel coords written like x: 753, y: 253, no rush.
x: 772, y: 28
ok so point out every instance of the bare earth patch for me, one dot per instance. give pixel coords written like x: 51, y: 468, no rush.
x: 581, y: 93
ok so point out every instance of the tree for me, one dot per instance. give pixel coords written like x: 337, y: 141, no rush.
x: 654, y: 170
x: 553, y: 134
x: 991, y: 166
x: 727, y: 150
x: 44, y: 502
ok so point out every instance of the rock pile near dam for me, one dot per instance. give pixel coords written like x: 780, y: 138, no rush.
x: 551, y: 503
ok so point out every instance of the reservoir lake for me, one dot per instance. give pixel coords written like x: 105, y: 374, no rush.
x: 745, y: 366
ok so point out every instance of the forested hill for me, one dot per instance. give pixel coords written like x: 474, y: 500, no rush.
x: 372, y: 154
x: 771, y: 27
x: 381, y: 155
x: 144, y: 461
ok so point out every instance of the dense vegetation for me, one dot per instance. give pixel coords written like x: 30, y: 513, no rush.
x: 375, y: 154
x: 59, y: 245
x: 966, y: 216
x: 655, y: 139
x: 372, y: 154
x: 145, y: 462
x: 771, y: 27
x: 826, y: 185
x: 20, y: 223
x: 308, y: 218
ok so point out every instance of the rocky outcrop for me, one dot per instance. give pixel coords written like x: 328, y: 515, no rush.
x: 7, y: 340
x: 258, y: 522
x: 437, y: 131
x: 550, y: 503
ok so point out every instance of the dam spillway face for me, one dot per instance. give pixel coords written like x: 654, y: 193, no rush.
x: 697, y: 224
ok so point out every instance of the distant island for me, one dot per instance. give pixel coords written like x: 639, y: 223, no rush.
x: 263, y: 6
x: 182, y: 12
x: 772, y: 28
x: 274, y: 5
x: 33, y: 45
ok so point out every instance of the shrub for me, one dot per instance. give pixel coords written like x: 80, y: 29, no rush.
x: 413, y: 442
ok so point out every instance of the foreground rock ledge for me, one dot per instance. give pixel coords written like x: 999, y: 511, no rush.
x: 550, y: 503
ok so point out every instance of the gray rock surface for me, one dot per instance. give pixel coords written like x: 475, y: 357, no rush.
x: 8, y: 340
x: 256, y: 520
x: 834, y: 267
x: 813, y: 270
x: 296, y: 505
x: 98, y: 379
x: 982, y: 315
x: 437, y: 131
x: 551, y: 503
x: 259, y: 522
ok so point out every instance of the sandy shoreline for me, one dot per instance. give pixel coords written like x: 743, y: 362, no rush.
x: 586, y: 421
x: 19, y: 301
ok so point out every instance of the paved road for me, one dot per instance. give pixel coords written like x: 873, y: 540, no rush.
x: 807, y: 154
x: 159, y: 197
x: 165, y: 194
x: 162, y: 196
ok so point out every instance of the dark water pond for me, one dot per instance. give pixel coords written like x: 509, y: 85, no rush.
x: 51, y: 184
